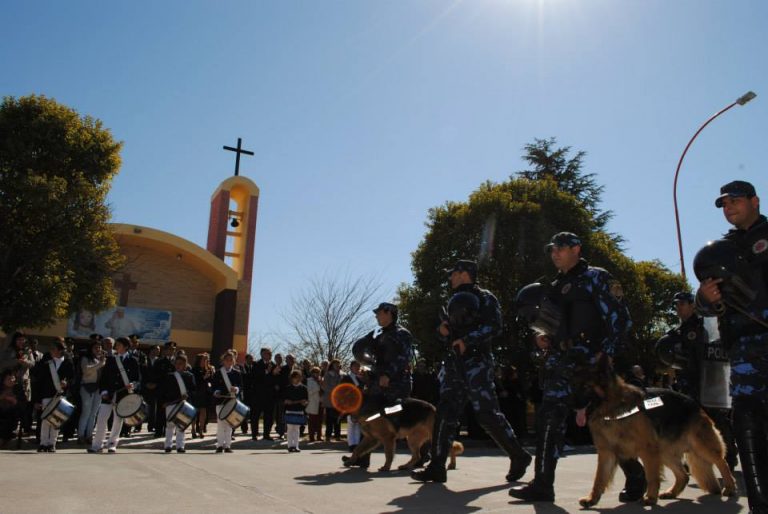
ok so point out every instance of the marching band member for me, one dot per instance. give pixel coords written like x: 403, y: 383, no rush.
x: 114, y: 386
x: 176, y: 388
x: 53, y: 374
x: 226, y: 385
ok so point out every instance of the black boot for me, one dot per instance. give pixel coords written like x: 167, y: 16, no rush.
x: 750, y: 431
x: 550, y: 428
x: 432, y: 473
x: 635, y: 484
x: 498, y: 428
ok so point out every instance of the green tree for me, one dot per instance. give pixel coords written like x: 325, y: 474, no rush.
x: 523, y: 213
x: 57, y: 252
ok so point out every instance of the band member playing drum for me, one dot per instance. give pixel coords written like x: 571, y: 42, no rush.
x: 119, y: 378
x: 226, y: 385
x: 52, y: 375
x: 177, y: 387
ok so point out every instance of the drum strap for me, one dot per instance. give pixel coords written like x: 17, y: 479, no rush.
x: 121, y: 368
x: 180, y: 381
x: 224, y: 375
x: 55, y: 376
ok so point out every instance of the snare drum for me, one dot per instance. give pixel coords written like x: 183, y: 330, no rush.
x: 182, y: 415
x: 133, y: 409
x: 234, y: 412
x: 58, y: 411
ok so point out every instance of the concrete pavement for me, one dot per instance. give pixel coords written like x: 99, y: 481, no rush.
x: 263, y: 477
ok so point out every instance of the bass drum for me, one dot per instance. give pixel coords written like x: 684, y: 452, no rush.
x: 234, y: 412
x: 182, y: 415
x: 133, y: 409
x: 58, y: 411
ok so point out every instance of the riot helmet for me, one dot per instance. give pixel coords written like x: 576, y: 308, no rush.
x: 463, y: 309
x: 535, y: 308
x: 670, y: 351
x: 723, y: 259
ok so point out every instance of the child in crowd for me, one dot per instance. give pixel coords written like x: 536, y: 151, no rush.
x: 313, y: 407
x: 296, y: 400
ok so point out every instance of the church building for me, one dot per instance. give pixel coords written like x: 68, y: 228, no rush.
x: 172, y: 289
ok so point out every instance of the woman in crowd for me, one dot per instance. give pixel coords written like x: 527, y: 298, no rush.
x: 202, y: 398
x: 313, y: 407
x: 91, y: 365
x: 331, y: 379
x: 19, y: 359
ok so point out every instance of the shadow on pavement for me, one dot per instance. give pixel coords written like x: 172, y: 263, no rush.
x: 347, y: 476
x: 437, y: 497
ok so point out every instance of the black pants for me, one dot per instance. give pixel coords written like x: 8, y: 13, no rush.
x: 263, y: 406
x: 750, y: 425
x: 332, y: 423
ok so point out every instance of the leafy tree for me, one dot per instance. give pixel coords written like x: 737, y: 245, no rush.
x: 57, y: 253
x: 523, y: 213
x: 548, y: 162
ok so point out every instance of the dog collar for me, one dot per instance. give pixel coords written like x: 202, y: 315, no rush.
x: 648, y: 404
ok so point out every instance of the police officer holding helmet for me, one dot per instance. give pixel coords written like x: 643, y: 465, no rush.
x: 473, y: 323
x: 702, y: 369
x: 734, y: 286
x: 577, y: 318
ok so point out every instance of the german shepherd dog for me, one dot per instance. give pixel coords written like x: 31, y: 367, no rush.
x: 628, y: 422
x: 413, y: 423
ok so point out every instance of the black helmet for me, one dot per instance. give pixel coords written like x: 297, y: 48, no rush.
x: 463, y: 308
x: 670, y: 351
x: 362, y: 349
x: 536, y: 309
x: 723, y: 259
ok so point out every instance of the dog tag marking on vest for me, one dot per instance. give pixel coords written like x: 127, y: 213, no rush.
x: 393, y: 409
x: 652, y: 403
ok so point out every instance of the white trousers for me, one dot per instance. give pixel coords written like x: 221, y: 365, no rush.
x: 223, y: 431
x: 105, y: 409
x: 48, y: 434
x: 171, y: 428
x: 354, y: 433
x: 292, y: 434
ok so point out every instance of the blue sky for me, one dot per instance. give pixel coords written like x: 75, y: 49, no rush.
x: 365, y: 114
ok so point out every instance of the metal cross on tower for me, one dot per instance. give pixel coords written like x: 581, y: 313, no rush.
x: 239, y: 150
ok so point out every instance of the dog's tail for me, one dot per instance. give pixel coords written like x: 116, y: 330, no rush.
x: 707, y: 447
x: 456, y: 449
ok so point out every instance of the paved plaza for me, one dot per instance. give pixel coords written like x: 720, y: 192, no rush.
x: 263, y: 477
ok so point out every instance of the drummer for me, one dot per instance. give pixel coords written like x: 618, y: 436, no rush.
x: 113, y: 389
x: 46, y: 389
x: 223, y: 393
x: 172, y: 395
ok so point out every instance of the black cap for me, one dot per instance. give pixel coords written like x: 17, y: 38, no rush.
x: 683, y: 297
x: 386, y: 306
x: 737, y: 188
x: 464, y: 265
x: 564, y: 239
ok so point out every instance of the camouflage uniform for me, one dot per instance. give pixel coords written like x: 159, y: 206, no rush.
x: 594, y: 320
x: 747, y: 344
x: 393, y: 352
x: 469, y: 378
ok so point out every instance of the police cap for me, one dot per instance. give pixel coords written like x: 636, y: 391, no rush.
x: 735, y: 189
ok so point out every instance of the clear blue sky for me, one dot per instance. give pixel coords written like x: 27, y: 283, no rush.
x: 364, y: 114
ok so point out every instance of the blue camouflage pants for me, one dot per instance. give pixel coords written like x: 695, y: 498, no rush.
x: 470, y: 380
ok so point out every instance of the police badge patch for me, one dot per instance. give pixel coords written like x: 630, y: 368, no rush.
x: 760, y: 246
x: 691, y: 335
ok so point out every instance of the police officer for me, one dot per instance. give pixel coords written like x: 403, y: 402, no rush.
x: 474, y: 322
x: 742, y: 325
x: 390, y: 375
x: 701, y: 361
x: 593, y: 322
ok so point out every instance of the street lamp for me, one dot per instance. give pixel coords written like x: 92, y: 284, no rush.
x: 742, y: 100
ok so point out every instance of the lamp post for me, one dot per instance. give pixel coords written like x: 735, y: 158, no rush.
x: 743, y: 99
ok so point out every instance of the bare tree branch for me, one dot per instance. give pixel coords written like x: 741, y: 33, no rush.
x: 329, y: 316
